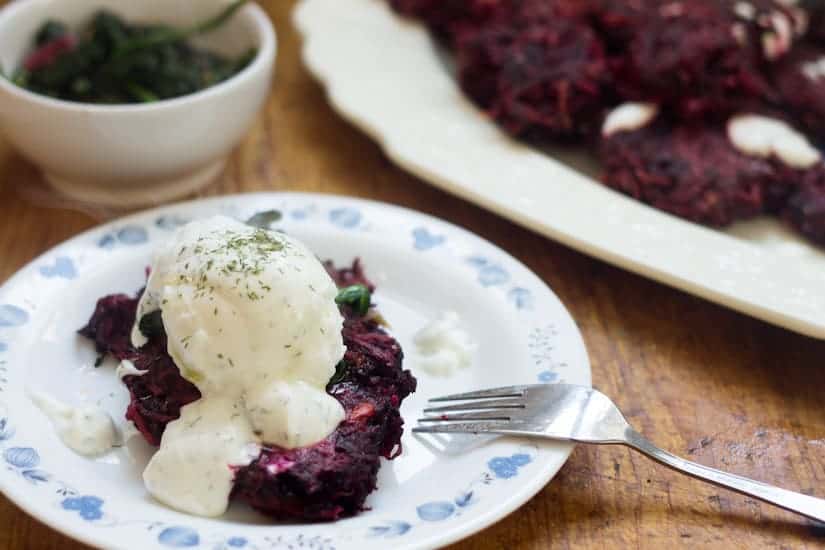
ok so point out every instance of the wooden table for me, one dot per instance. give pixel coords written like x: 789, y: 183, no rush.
x: 707, y: 383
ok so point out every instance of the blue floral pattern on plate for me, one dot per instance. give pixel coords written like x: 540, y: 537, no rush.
x: 505, y: 467
x: 24, y: 461
x: 390, y: 529
x: 423, y: 239
x: 3, y: 373
x: 6, y: 431
x: 348, y: 218
x: 171, y: 222
x: 89, y: 507
x: 521, y: 298
x: 130, y: 235
x: 13, y: 316
x: 541, y: 344
x: 21, y: 457
x: 61, y: 267
x: 548, y: 377
x: 489, y: 272
x: 499, y: 468
x: 179, y: 537
x: 435, y: 511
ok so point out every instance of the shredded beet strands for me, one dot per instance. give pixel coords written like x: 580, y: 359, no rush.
x: 550, y: 69
x: 695, y: 173
x: 617, y: 21
x: 800, y: 81
x: 322, y: 482
x: 158, y: 395
x: 348, y: 276
x: 816, y: 24
x: 697, y: 59
x: 447, y: 17
x: 805, y: 210
x: 537, y: 73
x: 332, y: 479
x: 111, y: 324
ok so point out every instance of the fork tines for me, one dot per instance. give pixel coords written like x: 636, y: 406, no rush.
x: 507, y: 391
x: 463, y: 428
x: 486, y: 409
x: 477, y: 404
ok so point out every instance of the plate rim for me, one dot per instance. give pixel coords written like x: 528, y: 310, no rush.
x: 339, y: 91
x: 517, y: 498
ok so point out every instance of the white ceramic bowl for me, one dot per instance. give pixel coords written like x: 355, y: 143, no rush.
x: 140, y: 154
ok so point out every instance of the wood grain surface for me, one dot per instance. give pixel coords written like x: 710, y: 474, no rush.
x: 702, y: 381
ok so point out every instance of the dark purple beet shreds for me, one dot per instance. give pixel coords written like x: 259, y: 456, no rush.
x: 322, y: 482
x: 800, y: 82
x: 618, y: 21
x: 816, y: 14
x: 332, y: 479
x: 695, y: 173
x: 697, y: 57
x: 539, y: 72
x: 447, y: 17
x: 111, y: 323
x: 348, y: 276
x: 158, y: 395
x: 805, y: 210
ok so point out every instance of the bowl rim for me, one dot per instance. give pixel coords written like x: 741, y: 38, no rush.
x: 267, y: 49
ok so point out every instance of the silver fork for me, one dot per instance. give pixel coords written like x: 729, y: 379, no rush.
x: 565, y: 412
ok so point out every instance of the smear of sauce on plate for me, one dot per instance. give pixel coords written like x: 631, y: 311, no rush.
x: 86, y: 429
x: 127, y: 368
x: 443, y: 347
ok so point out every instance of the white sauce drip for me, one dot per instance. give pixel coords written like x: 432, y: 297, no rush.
x: 739, y: 33
x: 629, y: 117
x: 762, y: 136
x: 814, y: 70
x: 251, y: 320
x: 128, y: 431
x: 776, y: 44
x: 192, y: 470
x: 127, y: 368
x: 443, y: 347
x: 85, y: 429
x: 745, y: 10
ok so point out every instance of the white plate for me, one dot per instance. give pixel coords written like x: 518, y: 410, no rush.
x: 426, y: 498
x: 385, y: 75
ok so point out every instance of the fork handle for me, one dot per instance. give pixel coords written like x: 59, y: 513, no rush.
x: 810, y: 507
